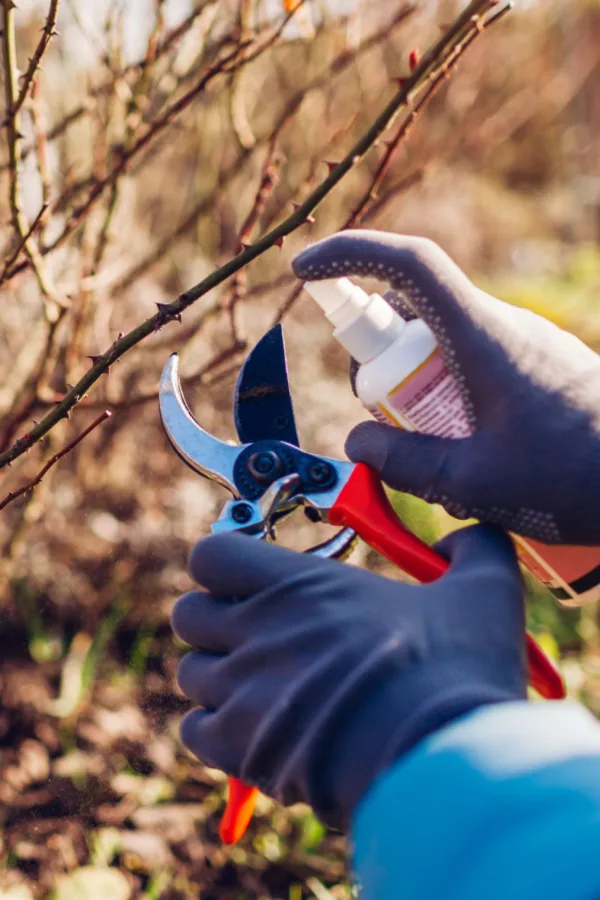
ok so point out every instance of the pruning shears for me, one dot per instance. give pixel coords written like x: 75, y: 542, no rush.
x: 269, y: 477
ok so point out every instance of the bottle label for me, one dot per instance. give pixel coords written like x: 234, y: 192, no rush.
x: 380, y: 416
x: 429, y: 401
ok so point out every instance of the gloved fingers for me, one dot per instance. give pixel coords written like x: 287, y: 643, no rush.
x: 203, y: 621
x: 238, y: 566
x: 219, y: 738
x: 483, y: 558
x: 434, y: 285
x: 420, y: 464
x: 201, y: 732
x: 199, y: 680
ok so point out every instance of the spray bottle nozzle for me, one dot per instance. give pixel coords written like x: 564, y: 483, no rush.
x: 365, y: 325
x: 339, y: 299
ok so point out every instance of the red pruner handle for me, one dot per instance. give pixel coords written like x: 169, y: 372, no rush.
x: 239, y: 810
x: 364, y: 506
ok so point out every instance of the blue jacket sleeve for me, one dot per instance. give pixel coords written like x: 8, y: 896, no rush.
x: 504, y: 803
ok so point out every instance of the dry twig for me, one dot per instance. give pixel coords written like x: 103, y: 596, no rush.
x: 241, y: 55
x: 28, y: 80
x: 99, y: 91
x: 16, y: 252
x: 466, y: 27
x: 14, y: 101
x: 52, y: 462
x: 337, y: 67
x: 370, y: 196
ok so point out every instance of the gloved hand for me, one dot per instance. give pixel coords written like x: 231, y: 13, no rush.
x: 531, y: 390
x: 314, y: 676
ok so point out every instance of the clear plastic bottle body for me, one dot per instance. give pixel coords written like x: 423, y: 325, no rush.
x: 403, y: 381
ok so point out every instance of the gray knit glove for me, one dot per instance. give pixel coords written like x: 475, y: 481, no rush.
x: 531, y: 391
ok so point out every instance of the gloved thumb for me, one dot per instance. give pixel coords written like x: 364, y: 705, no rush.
x: 483, y: 603
x: 420, y: 464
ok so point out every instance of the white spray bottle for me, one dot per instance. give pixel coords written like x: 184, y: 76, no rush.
x: 402, y: 380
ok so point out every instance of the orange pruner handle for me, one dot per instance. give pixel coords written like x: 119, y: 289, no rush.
x: 239, y: 810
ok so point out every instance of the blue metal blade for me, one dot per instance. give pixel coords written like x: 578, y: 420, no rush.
x: 262, y: 405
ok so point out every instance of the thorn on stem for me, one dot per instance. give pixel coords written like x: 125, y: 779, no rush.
x: 280, y: 241
x: 413, y: 60
x: 310, y: 219
x: 117, y: 339
x: 166, y: 314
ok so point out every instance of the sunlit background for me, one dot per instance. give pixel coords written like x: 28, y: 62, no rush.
x: 502, y: 170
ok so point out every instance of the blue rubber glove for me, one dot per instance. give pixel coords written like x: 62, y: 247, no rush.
x: 531, y: 390
x: 314, y: 676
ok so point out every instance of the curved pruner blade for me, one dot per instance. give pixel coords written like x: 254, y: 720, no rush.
x: 200, y: 450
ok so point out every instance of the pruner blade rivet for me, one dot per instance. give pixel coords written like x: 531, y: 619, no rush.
x: 320, y: 473
x: 265, y: 466
x: 241, y: 512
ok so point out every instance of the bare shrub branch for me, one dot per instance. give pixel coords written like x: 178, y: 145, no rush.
x: 52, y: 462
x: 34, y: 63
x: 430, y: 71
x: 14, y: 101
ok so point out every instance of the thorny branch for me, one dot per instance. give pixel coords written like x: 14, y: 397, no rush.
x: 15, y: 253
x: 339, y: 65
x: 392, y: 147
x: 53, y: 303
x: 370, y: 196
x: 34, y: 63
x: 52, y: 462
x: 96, y: 92
x: 241, y: 55
x: 465, y: 27
x: 127, y: 156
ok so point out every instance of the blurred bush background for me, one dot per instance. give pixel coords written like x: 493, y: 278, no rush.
x: 140, y: 175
